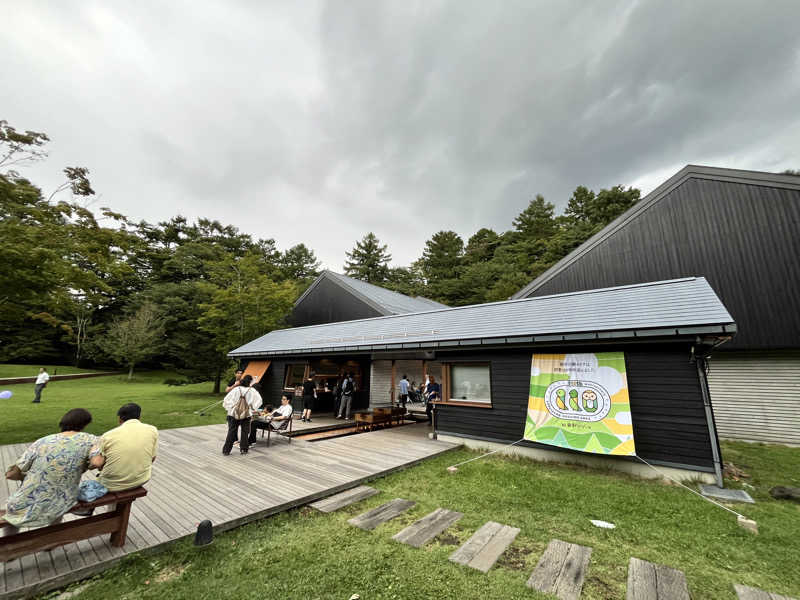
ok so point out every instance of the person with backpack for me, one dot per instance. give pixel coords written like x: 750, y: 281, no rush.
x: 348, y: 389
x: 240, y: 403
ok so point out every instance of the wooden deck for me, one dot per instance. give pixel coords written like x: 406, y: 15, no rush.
x: 192, y: 481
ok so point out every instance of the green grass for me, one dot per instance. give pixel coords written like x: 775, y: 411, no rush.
x: 162, y: 405
x: 7, y: 370
x: 304, y: 554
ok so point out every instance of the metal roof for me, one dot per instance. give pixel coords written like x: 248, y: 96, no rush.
x: 386, y: 302
x: 761, y: 178
x: 665, y: 308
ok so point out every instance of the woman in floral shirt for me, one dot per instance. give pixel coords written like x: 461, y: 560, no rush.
x: 52, y: 467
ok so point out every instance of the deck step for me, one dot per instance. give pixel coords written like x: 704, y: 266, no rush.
x: 345, y: 498
x: 561, y: 570
x: 749, y: 593
x: 428, y: 527
x: 649, y: 581
x: 485, y: 546
x: 385, y: 512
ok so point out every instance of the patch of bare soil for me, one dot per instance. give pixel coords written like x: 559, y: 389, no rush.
x: 169, y: 573
x: 605, y: 590
x: 515, y: 557
x: 447, y: 539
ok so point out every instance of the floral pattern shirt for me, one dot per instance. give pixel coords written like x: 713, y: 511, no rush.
x: 53, y: 466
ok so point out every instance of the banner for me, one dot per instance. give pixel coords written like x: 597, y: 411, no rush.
x: 580, y: 401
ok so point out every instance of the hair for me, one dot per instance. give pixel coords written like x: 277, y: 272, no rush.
x: 246, y: 381
x: 405, y: 376
x: 433, y: 379
x: 239, y: 370
x: 288, y: 396
x: 129, y: 411
x: 75, y: 420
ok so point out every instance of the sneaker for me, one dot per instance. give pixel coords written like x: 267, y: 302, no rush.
x: 226, y: 454
x: 308, y: 420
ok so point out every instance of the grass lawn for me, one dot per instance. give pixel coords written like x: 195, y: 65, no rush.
x: 162, y: 405
x: 33, y: 370
x: 304, y: 554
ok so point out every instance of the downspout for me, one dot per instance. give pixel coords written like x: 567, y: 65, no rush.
x: 701, y: 363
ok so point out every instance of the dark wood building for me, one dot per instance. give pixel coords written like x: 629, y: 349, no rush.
x: 334, y: 297
x: 741, y: 231
x: 483, y: 356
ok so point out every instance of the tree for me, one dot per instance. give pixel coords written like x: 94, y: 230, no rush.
x: 134, y: 339
x: 299, y: 262
x: 536, y: 222
x: 406, y: 280
x: 440, y: 264
x: 243, y: 304
x: 368, y: 260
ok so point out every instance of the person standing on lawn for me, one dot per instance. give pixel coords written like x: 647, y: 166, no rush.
x: 127, y: 452
x: 309, y: 394
x: 240, y: 403
x: 41, y: 381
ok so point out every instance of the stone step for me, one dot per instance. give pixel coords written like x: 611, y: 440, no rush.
x: 485, y: 546
x: 649, y: 581
x: 345, y: 498
x: 561, y: 570
x: 428, y: 527
x: 749, y: 593
x: 386, y: 512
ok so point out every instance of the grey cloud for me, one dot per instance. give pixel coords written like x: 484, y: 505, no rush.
x: 318, y: 122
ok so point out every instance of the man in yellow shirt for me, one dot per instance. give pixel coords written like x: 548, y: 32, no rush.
x: 126, y: 453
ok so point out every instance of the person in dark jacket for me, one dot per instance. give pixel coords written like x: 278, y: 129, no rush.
x: 309, y: 394
x: 432, y: 394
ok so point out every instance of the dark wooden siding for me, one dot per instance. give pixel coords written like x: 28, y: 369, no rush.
x: 329, y: 303
x: 744, y: 239
x: 669, y: 422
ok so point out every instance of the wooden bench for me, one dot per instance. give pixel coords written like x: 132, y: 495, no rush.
x: 371, y: 420
x: 15, y: 543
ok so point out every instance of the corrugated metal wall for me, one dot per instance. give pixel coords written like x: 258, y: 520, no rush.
x: 756, y: 395
x: 381, y: 378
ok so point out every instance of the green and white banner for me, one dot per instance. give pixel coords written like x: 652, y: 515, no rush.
x: 580, y: 401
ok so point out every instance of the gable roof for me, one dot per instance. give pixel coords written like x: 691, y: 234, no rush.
x: 386, y: 302
x: 688, y: 172
x: 679, y: 307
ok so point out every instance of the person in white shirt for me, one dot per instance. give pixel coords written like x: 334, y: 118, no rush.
x: 240, y: 403
x: 274, y: 420
x: 41, y: 382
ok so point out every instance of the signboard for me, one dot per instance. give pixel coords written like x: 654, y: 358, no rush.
x: 580, y: 402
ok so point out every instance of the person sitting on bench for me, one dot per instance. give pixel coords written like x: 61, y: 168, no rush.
x: 126, y: 453
x: 50, y: 471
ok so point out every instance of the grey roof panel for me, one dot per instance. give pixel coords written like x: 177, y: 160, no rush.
x: 674, y: 304
x: 385, y: 301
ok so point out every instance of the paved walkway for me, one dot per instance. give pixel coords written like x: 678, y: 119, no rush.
x: 192, y: 481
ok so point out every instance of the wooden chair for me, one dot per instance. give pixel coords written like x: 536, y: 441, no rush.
x: 284, y: 429
x: 15, y: 542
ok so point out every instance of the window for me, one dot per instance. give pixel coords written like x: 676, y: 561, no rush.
x: 295, y: 375
x: 468, y: 384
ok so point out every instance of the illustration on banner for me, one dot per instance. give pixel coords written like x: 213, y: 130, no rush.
x: 580, y: 401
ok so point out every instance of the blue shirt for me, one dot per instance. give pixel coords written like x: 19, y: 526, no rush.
x: 404, y: 387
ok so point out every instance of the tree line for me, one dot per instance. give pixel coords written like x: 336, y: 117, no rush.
x: 93, y: 287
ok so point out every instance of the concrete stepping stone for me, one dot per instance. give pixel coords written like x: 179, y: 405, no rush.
x: 345, y: 498
x: 485, y: 546
x: 726, y: 494
x: 561, y: 570
x: 386, y: 512
x: 749, y: 593
x: 649, y: 581
x: 428, y: 527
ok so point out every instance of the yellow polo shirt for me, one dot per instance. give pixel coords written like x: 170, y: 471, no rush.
x: 129, y: 451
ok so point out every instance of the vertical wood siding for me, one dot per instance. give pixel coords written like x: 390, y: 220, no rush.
x: 381, y: 378
x: 744, y: 239
x: 329, y: 303
x: 666, y: 403
x: 756, y: 395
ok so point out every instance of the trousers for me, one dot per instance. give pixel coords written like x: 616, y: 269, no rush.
x: 233, y: 427
x: 344, y: 409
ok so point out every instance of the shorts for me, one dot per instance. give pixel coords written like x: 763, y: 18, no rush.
x: 308, y: 402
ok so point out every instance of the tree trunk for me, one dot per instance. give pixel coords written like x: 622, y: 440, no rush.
x: 130, y: 372
x: 217, y: 381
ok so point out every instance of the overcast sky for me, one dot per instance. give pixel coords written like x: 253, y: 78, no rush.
x: 318, y: 122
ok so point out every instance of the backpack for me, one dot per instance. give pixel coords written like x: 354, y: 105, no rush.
x: 242, y: 408
x: 347, y: 387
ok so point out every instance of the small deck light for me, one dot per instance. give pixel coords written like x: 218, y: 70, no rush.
x: 205, y: 534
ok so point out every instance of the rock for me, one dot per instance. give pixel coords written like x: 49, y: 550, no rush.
x: 780, y: 492
x: 747, y: 524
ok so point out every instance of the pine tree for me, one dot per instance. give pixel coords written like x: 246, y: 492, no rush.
x: 368, y: 261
